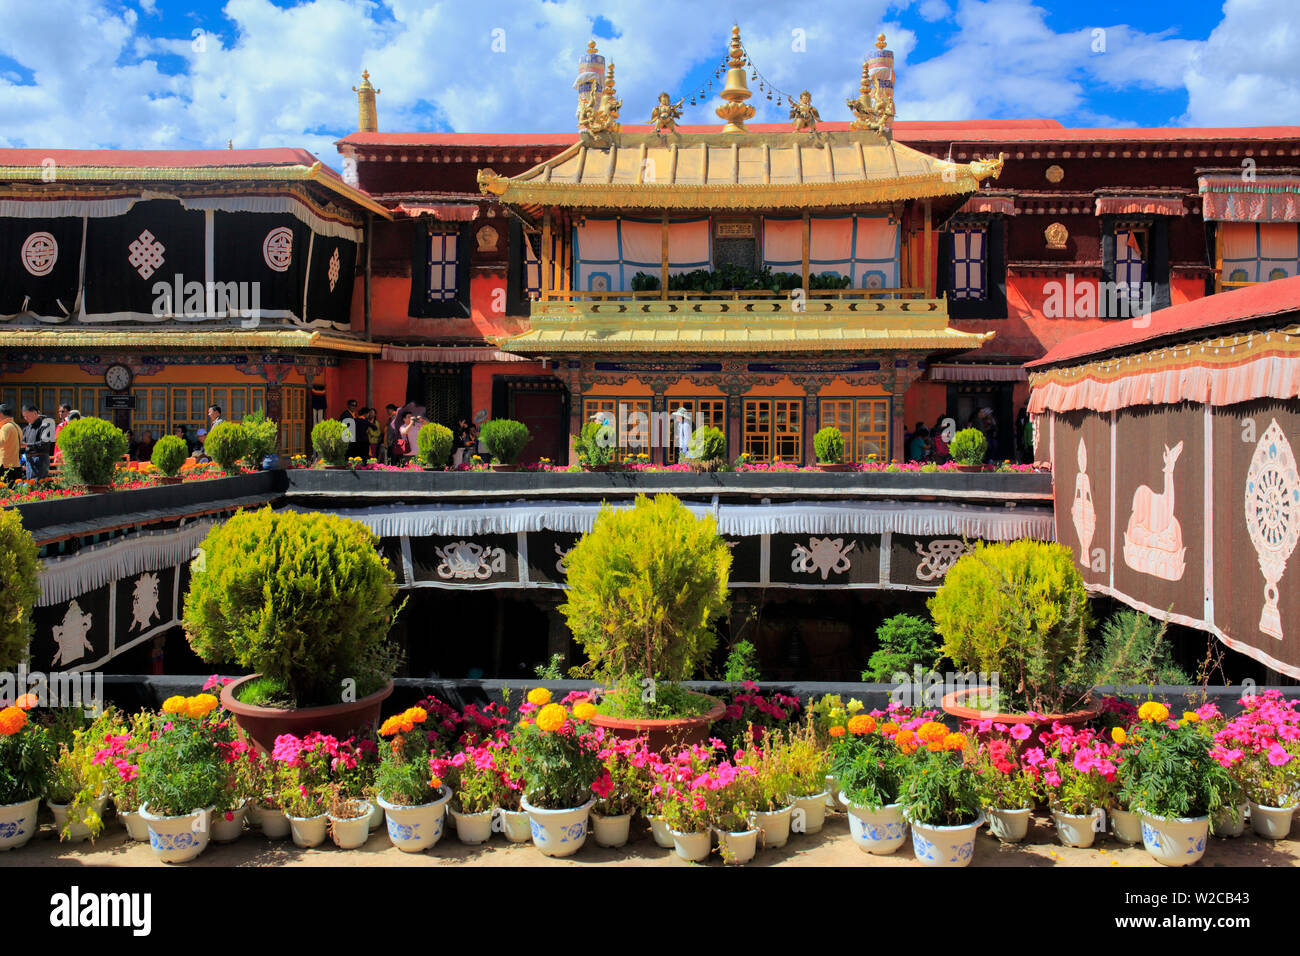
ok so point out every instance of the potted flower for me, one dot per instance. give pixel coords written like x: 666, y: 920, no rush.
x: 169, y: 455
x: 684, y: 806
x: 594, y: 446
x: 305, y: 601
x: 1008, y: 786
x: 121, y: 756
x: 750, y: 713
x: 1260, y: 747
x: 26, y: 758
x: 182, y: 777
x: 304, y: 784
x: 1018, y: 610
x: 91, y: 449
x: 645, y: 586
x: 731, y: 793
x: 774, y: 782
x: 1176, y: 783
x: 807, y: 762
x: 941, y: 797
x: 868, y: 764
x: 828, y: 712
x: 561, y: 761
x: 78, y: 788
x: 1079, y: 778
x: 515, y: 822
x: 968, y: 449
x: 506, y: 440
x: 616, y: 790
x: 829, y: 445
x: 475, y: 781
x: 350, y: 802
x: 414, y: 800
x: 1125, y: 822
x: 264, y: 777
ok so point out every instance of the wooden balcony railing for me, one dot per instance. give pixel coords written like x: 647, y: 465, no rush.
x: 686, y: 295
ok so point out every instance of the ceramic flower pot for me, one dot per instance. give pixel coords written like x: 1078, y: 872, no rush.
x: 309, y: 831
x: 1225, y: 826
x: 376, y: 816
x: 610, y: 831
x: 1175, y: 841
x: 1009, y: 826
x: 273, y: 823
x: 558, y: 833
x: 515, y: 824
x: 693, y: 847
x: 738, y: 848
x: 136, y: 828
x: 881, y: 831
x: 349, y: 833
x: 662, y: 835
x: 417, y: 828
x: 473, y: 828
x: 810, y: 813
x: 1075, y: 829
x: 178, y: 839
x: 775, y: 827
x: 228, y: 826
x: 832, y: 792
x: 1272, y: 823
x: 78, y: 831
x: 1126, y: 825
x: 264, y: 724
x: 18, y: 823
x: 662, y: 734
x: 945, y: 846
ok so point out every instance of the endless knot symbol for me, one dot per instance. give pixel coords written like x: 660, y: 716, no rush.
x: 277, y: 248
x: 334, y: 268
x: 146, y: 254
x: 39, y: 253
x: 939, y: 558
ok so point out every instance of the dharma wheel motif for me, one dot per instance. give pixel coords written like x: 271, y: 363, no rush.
x: 1272, y: 516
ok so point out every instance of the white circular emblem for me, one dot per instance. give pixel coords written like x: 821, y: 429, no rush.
x: 39, y: 253
x: 277, y: 248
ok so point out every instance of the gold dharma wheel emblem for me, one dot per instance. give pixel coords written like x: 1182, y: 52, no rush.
x: 1055, y: 173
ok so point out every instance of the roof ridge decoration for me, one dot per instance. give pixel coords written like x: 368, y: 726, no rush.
x: 734, y: 108
x: 874, y: 108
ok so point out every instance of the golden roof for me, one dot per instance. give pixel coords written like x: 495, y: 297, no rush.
x: 758, y: 170
x: 766, y: 326
x: 183, y: 339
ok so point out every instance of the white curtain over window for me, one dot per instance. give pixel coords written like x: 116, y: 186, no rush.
x: 864, y: 248
x: 607, y: 253
x: 1258, y: 252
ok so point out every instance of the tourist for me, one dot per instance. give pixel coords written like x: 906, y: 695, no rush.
x: 916, y: 446
x: 374, y: 434
x: 389, y: 425
x: 11, y: 440
x: 986, y: 423
x: 354, y: 428
x: 939, y: 453
x: 144, y: 451
x: 408, y: 445
x: 38, y: 440
x: 466, y: 441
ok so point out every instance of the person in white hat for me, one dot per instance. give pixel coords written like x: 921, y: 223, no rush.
x: 682, y: 424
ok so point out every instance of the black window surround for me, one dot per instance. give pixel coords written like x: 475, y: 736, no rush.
x: 1157, y: 252
x: 421, y: 306
x: 994, y: 303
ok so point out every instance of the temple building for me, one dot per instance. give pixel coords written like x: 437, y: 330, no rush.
x: 146, y: 286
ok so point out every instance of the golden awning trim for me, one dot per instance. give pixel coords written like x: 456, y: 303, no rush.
x: 709, y: 170
x: 64, y: 338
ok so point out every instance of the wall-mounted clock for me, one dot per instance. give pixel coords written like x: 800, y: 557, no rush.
x: 117, y: 377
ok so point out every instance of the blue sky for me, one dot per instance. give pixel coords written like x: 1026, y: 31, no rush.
x: 161, y: 74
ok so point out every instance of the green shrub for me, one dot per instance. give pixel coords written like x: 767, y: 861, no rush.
x: 905, y: 641
x: 708, y: 444
x: 169, y: 454
x: 19, y: 588
x: 1134, y: 650
x: 645, y: 586
x: 505, y: 439
x: 226, y: 444
x: 1018, y: 610
x: 829, y: 445
x: 302, y: 598
x: 435, y: 444
x: 594, y: 445
x: 742, y: 663
x: 329, y: 441
x: 263, y: 436
x: 968, y: 447
x: 91, y: 449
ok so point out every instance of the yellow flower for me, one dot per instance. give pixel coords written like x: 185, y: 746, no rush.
x: 539, y: 696
x: 200, y: 705
x: 1154, y: 711
x: 584, y: 710
x: 551, y: 717
x: 174, y: 705
x: 1191, y: 716
x: 862, y: 724
x: 855, y: 705
x: 932, y: 730
x: 1119, y: 736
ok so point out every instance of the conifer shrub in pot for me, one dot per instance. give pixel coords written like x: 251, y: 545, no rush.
x: 435, y: 445
x: 708, y: 449
x: 646, y: 586
x: 226, y: 444
x: 505, y: 439
x: 594, y: 446
x: 91, y: 449
x: 19, y: 588
x: 263, y: 436
x: 829, y: 445
x: 305, y: 601
x: 1019, y: 611
x: 968, y: 448
x: 330, y: 442
x: 169, y: 454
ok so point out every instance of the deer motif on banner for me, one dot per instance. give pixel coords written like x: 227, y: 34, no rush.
x: 1153, y: 541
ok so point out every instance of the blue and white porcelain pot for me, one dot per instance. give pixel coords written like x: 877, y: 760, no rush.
x: 945, y: 846
x: 18, y: 823
x: 417, y: 828
x: 181, y: 838
x: 1175, y: 841
x: 559, y: 832
x: 879, y: 831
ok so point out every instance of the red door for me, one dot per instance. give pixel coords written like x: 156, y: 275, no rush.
x: 542, y: 412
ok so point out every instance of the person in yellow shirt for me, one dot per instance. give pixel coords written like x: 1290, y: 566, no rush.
x: 11, y: 439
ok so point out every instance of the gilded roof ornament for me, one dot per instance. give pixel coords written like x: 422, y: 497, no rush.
x: 874, y: 108
x: 602, y: 118
x: 986, y: 168
x: 735, y: 110
x: 492, y: 182
x: 664, y: 117
x: 803, y: 115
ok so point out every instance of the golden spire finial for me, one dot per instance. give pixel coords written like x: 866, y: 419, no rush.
x: 367, y: 114
x: 880, y: 42
x: 865, y: 86
x: 591, y: 46
x: 735, y: 110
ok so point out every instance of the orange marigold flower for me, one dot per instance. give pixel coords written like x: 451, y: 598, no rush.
x: 889, y: 728
x: 391, y: 726
x: 551, y: 717
x: 837, y: 731
x: 200, y: 705
x: 584, y: 710
x: 931, y: 731
x: 906, y: 739
x: 954, y: 741
x: 862, y: 724
x: 12, y: 720
x: 435, y: 782
x: 416, y: 715
x: 26, y: 701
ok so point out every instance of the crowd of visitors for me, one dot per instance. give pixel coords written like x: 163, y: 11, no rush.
x: 931, y: 444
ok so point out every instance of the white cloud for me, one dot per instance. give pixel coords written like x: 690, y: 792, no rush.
x: 1248, y: 72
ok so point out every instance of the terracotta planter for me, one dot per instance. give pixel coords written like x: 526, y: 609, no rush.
x: 970, y: 468
x: 170, y: 479
x: 264, y: 724
x: 838, y: 466
x: 595, y: 467
x: 662, y: 734
x: 953, y: 705
x: 98, y: 489
x: 505, y: 467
